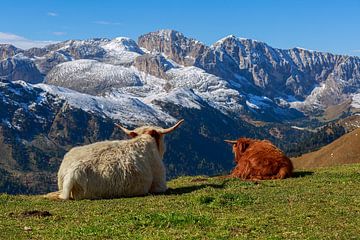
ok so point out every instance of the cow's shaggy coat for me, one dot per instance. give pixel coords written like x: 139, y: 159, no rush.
x: 111, y: 169
x: 259, y: 160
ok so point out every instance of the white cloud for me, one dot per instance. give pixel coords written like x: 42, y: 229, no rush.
x: 21, y: 42
x: 59, y: 33
x: 357, y: 51
x: 107, y: 23
x: 52, y: 14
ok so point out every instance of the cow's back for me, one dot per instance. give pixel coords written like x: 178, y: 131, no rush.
x: 262, y: 160
x: 107, y: 169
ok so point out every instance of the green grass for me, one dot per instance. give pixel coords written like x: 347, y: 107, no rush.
x: 324, y: 204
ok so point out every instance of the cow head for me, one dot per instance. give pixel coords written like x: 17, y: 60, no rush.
x: 239, y: 146
x: 157, y: 133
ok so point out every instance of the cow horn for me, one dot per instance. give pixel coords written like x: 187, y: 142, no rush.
x: 127, y: 131
x: 170, y: 129
x: 230, y: 141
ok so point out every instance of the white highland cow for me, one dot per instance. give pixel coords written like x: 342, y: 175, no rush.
x: 112, y: 169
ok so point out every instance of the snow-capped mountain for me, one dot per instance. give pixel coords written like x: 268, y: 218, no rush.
x: 240, y: 69
x: 314, y: 78
x: 235, y: 87
x: 293, y: 75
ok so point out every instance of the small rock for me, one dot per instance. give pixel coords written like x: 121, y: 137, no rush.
x: 28, y: 229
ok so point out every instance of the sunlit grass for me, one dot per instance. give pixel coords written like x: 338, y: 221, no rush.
x: 323, y: 204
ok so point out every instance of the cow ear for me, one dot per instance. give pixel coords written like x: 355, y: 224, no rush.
x: 132, y: 134
x: 155, y: 134
x: 243, y: 146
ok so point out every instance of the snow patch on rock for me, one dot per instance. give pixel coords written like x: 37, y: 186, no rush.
x: 127, y: 109
x: 355, y: 101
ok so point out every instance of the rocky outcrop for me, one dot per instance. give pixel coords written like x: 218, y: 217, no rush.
x: 173, y: 45
x: 155, y: 65
x: 36, y: 52
x: 20, y: 68
x: 50, y: 60
x: 7, y: 51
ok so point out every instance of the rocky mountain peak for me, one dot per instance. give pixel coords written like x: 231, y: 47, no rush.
x: 250, y: 66
x: 125, y: 43
x: 8, y: 50
x: 173, y: 45
x: 225, y: 40
x: 295, y: 70
x: 166, y: 35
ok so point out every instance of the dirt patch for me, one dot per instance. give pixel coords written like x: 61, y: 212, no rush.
x: 199, y: 180
x: 36, y: 213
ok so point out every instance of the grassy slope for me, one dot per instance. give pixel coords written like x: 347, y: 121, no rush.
x: 335, y: 111
x: 344, y: 150
x: 323, y: 204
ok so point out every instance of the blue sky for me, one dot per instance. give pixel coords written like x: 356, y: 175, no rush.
x: 324, y: 25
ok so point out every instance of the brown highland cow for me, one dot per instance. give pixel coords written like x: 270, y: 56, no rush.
x: 259, y: 160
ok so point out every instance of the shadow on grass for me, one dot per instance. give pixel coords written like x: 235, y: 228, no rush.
x: 301, y: 174
x: 189, y: 189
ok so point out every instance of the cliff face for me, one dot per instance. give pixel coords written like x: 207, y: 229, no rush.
x: 155, y: 65
x: 295, y: 71
x: 173, y: 45
x: 19, y: 68
x: 276, y: 72
x: 186, y: 51
x: 7, y: 51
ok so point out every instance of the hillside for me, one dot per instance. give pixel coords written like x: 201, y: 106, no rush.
x: 323, y: 204
x: 344, y: 150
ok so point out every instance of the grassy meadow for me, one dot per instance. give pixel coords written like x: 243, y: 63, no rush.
x: 319, y: 204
